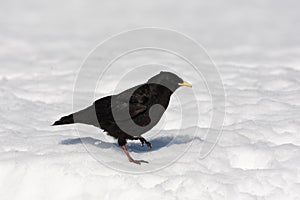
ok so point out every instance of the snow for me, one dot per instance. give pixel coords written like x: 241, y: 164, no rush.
x: 256, y: 47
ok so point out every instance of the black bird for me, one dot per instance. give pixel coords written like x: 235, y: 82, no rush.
x: 131, y: 113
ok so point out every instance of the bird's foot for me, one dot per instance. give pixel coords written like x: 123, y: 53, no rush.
x: 130, y: 158
x: 144, y: 141
x: 138, y: 161
x: 148, y: 144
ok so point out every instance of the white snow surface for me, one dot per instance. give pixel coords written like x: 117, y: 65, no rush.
x: 256, y: 46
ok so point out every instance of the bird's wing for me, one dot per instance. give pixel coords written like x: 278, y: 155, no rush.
x: 123, y: 106
x: 133, y: 100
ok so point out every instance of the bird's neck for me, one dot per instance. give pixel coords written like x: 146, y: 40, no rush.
x: 162, y: 94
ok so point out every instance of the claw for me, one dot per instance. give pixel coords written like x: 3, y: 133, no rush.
x: 149, y: 145
x: 138, y: 161
x: 143, y: 141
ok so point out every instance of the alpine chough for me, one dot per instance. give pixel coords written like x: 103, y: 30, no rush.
x: 133, y: 112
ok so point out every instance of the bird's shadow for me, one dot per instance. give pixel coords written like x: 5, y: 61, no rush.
x: 157, y: 143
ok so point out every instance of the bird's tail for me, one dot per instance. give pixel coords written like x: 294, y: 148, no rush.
x: 65, y: 120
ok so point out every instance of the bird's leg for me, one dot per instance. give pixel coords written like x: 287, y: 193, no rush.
x: 130, y: 158
x: 143, y: 140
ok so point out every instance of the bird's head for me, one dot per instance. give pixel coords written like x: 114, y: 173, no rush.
x: 169, y: 80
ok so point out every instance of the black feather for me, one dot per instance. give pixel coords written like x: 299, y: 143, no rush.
x: 108, y: 113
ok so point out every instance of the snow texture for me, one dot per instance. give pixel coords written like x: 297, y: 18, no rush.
x: 256, y: 46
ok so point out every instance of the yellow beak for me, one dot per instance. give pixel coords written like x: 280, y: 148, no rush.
x: 185, y: 84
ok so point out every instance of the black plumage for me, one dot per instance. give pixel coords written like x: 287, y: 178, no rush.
x: 131, y: 113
